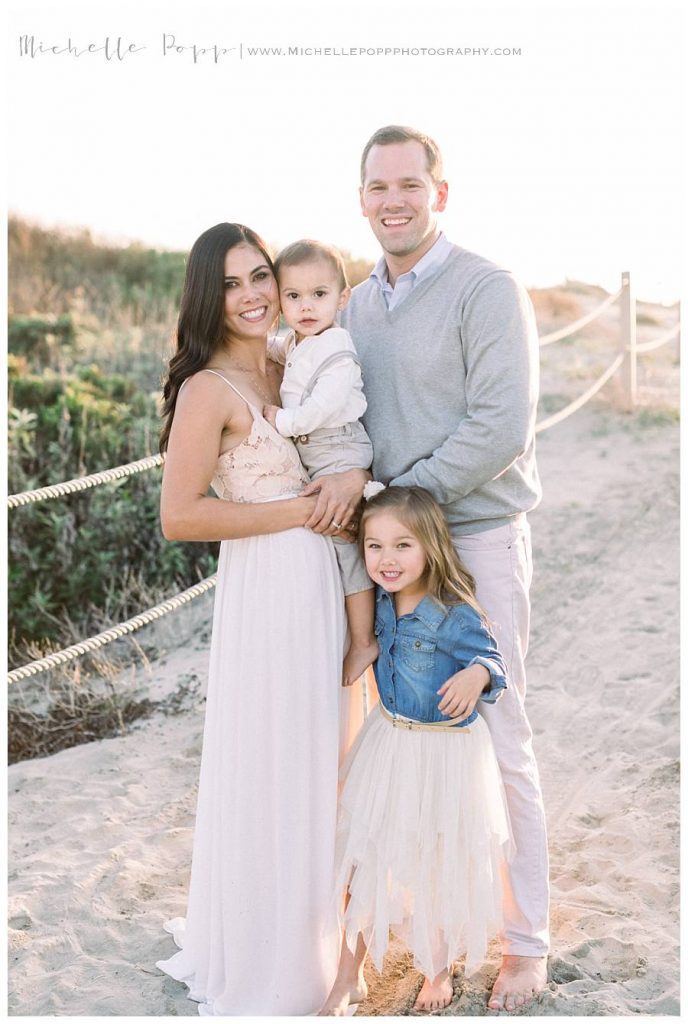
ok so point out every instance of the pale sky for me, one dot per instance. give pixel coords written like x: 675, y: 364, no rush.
x: 563, y: 161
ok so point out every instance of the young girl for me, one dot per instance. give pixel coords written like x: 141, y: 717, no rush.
x: 423, y: 830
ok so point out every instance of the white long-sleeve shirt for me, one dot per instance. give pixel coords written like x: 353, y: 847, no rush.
x: 337, y: 397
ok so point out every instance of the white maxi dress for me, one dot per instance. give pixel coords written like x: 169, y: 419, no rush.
x: 260, y: 935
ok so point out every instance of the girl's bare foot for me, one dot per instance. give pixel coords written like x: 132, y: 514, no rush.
x: 342, y: 996
x: 435, y: 994
x: 359, y: 657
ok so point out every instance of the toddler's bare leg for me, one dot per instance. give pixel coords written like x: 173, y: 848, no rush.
x: 360, y: 610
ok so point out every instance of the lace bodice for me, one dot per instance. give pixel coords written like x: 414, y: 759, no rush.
x: 264, y: 465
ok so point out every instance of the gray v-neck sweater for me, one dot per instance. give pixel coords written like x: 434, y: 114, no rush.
x: 451, y: 378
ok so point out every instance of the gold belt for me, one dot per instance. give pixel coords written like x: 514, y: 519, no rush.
x: 409, y: 723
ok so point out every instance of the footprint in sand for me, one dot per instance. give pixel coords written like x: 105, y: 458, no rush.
x: 607, y: 959
x: 561, y: 971
x: 20, y: 921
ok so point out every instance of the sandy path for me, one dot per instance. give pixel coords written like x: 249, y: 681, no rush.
x: 100, y: 835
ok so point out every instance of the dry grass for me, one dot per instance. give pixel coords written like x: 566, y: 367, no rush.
x: 77, y: 710
x: 555, y: 305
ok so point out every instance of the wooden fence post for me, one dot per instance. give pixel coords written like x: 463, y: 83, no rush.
x: 628, y: 339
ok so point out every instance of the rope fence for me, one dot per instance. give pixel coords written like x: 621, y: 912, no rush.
x: 115, y: 633
x: 650, y: 346
x: 82, y: 483
x: 551, y: 421
x: 564, y: 332
x: 628, y: 352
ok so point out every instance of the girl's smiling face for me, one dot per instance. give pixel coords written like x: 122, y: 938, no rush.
x: 251, y: 301
x: 394, y: 556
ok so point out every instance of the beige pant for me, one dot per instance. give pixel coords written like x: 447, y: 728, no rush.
x: 335, y: 450
x: 500, y: 560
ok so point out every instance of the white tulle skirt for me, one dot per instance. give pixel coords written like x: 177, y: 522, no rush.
x: 422, y: 840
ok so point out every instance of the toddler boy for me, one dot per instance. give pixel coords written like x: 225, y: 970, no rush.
x: 322, y: 401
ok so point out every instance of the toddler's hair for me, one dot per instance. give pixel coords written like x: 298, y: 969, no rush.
x: 449, y: 581
x: 307, y: 250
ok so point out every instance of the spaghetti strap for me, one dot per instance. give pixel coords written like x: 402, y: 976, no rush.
x: 232, y: 386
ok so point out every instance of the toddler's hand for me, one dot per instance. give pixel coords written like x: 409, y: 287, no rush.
x: 462, y: 691
x: 270, y: 414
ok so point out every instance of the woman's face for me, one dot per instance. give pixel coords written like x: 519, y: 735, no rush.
x: 251, y: 298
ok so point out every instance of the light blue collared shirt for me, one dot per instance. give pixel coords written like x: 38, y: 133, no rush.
x: 405, y: 283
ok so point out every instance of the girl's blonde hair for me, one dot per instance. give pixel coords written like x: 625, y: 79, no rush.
x: 449, y: 581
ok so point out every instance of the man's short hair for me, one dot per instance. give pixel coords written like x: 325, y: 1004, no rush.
x: 307, y: 250
x: 398, y: 133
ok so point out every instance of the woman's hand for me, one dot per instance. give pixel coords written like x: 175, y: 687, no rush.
x: 206, y: 409
x: 305, y: 506
x: 338, y: 496
x: 462, y: 691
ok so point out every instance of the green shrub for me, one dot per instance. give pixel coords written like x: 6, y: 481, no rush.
x: 82, y: 561
x: 43, y: 342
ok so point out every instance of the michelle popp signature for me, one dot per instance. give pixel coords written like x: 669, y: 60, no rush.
x: 118, y: 48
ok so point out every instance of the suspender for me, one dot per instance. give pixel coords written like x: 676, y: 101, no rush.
x: 344, y: 354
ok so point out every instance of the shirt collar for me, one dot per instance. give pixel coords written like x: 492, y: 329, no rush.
x: 289, y: 341
x: 432, y: 259
x: 430, y: 613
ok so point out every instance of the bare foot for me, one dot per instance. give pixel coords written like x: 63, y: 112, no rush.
x: 342, y: 996
x: 520, y: 979
x: 359, y: 657
x: 435, y: 994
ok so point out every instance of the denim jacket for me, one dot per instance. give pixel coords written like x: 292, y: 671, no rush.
x: 421, y: 650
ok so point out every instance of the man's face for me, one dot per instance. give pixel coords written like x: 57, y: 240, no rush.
x: 399, y: 197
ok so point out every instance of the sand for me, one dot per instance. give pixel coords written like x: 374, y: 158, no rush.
x: 100, y: 835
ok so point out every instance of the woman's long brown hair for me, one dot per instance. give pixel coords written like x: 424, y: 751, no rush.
x: 201, y: 324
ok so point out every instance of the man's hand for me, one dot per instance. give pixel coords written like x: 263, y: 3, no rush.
x: 462, y: 691
x: 338, y: 497
x: 270, y: 414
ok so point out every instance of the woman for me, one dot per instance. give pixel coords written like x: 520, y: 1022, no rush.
x: 260, y: 935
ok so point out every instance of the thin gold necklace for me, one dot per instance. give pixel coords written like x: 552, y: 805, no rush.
x: 269, y: 398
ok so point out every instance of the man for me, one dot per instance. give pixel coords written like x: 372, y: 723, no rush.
x: 448, y: 345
